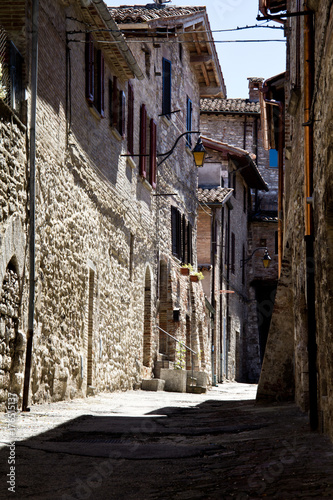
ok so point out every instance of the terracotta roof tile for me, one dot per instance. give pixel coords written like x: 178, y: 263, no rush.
x: 213, y: 195
x: 145, y: 13
x: 211, y: 105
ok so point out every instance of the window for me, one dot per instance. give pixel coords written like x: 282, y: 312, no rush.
x: 276, y: 246
x: 130, y: 120
x: 234, y: 183
x: 166, y: 88
x: 189, y: 111
x: 117, y: 106
x: 244, y: 199
x: 147, y: 164
x: 273, y: 158
x: 181, y: 236
x: 233, y: 253
x: 243, y: 265
x: 11, y: 64
x: 94, y: 76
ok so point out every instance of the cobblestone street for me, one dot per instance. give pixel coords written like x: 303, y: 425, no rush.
x: 157, y: 445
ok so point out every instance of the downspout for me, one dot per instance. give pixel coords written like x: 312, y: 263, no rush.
x: 213, y: 301
x: 309, y: 229
x: 221, y: 299
x: 279, y: 104
x: 32, y: 204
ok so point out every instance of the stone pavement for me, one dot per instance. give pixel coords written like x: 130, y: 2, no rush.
x: 157, y: 445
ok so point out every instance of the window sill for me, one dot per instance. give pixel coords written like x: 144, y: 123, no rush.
x: 116, y: 134
x: 131, y: 162
x: 146, y: 184
x: 166, y: 121
x: 95, y: 112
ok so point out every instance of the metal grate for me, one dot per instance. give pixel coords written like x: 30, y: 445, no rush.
x: 5, y: 86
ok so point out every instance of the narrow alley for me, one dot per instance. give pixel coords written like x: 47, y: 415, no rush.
x: 157, y: 445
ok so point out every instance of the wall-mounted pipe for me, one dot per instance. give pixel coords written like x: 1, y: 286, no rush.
x: 308, y: 208
x: 32, y: 204
x: 279, y: 104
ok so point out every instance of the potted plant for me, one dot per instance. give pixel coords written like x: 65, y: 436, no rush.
x: 185, y: 269
x: 195, y: 277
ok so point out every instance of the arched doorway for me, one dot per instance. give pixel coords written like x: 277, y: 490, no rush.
x: 9, y: 314
x: 147, y: 336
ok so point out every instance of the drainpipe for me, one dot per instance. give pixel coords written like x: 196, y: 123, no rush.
x: 309, y: 230
x: 213, y: 301
x: 32, y: 160
x: 278, y: 104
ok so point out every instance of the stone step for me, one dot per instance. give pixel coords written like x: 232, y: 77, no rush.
x: 153, y: 384
x: 196, y: 389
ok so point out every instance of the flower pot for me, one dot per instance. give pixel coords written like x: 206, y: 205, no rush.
x: 185, y: 271
x: 194, y: 278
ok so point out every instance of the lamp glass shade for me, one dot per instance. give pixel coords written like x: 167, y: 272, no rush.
x: 266, y: 260
x: 199, y: 153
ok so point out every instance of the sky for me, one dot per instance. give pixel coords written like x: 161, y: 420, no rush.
x: 238, y: 60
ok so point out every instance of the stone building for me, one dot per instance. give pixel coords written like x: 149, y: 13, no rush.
x: 107, y: 225
x: 189, y: 67
x: 247, y: 222
x: 298, y: 356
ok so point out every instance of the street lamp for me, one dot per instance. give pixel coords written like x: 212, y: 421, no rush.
x: 266, y: 258
x: 198, y: 151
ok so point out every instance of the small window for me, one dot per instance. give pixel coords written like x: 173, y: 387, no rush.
x: 276, y: 246
x: 273, y: 158
x: 117, y: 106
x: 189, y: 112
x: 143, y: 142
x: 263, y: 242
x: 94, y: 76
x: 243, y: 266
x: 130, y: 120
x: 233, y: 253
x: 180, y: 49
x: 166, y: 90
x: 244, y: 199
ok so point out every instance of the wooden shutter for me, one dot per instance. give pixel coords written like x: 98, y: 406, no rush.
x: 89, y: 68
x: 233, y: 252
x: 174, y: 230
x: 152, y: 157
x: 110, y: 101
x: 121, y: 114
x: 100, y: 82
x: 130, y: 120
x: 166, y: 90
x: 143, y: 141
x: 115, y: 106
x: 189, y: 121
x: 184, y: 238
x: 189, y: 244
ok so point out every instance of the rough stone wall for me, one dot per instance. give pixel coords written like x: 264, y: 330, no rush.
x: 292, y: 349
x: 100, y: 230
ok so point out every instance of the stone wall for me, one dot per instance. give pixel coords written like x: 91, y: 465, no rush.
x: 287, y: 368
x: 101, y: 231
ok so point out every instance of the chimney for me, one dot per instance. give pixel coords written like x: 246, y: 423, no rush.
x: 254, y: 85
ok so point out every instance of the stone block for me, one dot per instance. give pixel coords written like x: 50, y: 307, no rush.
x: 153, y: 384
x: 175, y: 380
